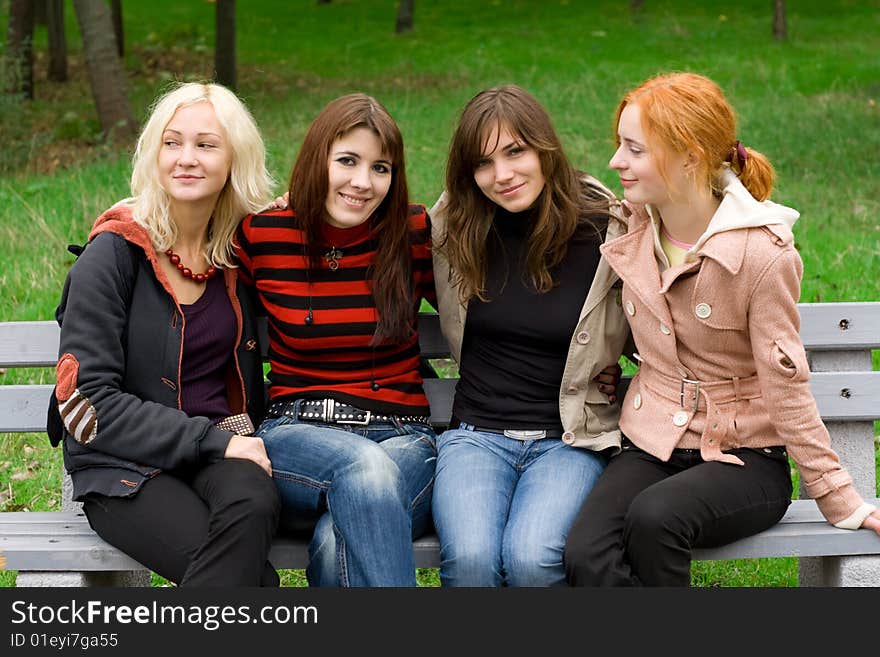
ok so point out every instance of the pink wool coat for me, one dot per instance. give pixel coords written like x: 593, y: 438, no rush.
x: 721, y: 361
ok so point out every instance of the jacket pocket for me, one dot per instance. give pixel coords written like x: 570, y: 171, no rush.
x: 790, y: 360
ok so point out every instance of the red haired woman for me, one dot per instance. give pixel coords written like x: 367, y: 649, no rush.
x: 711, y: 281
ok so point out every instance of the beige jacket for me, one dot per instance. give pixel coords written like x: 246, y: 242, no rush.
x: 722, y: 363
x: 588, y: 419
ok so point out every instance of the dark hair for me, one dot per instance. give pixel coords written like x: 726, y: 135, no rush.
x: 391, y: 273
x: 565, y: 205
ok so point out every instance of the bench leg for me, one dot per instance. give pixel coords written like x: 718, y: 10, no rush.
x: 840, y: 571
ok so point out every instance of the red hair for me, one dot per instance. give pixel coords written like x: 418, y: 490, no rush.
x: 688, y: 113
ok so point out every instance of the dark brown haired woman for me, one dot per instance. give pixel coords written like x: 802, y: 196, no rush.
x: 341, y: 275
x: 532, y: 314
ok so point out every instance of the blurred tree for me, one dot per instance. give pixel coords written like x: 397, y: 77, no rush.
x: 405, y: 16
x: 20, y: 49
x: 106, y: 75
x: 780, y: 27
x: 40, y: 12
x: 116, y: 13
x: 57, y: 40
x: 224, y: 44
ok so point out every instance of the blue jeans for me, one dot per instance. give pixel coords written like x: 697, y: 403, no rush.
x: 503, y: 507
x: 363, y: 491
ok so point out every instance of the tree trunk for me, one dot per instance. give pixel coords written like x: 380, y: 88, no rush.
x: 116, y: 12
x: 405, y: 16
x: 20, y: 49
x: 106, y: 74
x: 224, y: 46
x: 57, y: 41
x: 41, y: 16
x: 780, y: 28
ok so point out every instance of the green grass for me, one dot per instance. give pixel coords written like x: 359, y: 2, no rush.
x: 810, y: 104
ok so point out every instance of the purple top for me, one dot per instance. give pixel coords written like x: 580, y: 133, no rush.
x: 209, y: 341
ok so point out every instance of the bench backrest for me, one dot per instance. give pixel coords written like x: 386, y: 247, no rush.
x: 839, y: 338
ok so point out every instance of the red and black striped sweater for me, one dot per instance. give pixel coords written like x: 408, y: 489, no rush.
x: 331, y: 356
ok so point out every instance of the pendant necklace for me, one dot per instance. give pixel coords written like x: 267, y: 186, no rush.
x: 333, y: 256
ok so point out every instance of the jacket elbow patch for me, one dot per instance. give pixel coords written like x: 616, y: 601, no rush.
x: 79, y: 417
x: 790, y: 361
x: 66, y: 372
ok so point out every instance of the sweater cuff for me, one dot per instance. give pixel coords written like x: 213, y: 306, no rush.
x: 213, y: 446
x: 855, y: 520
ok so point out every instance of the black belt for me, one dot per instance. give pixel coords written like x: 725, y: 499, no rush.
x: 330, y: 411
x: 517, y: 434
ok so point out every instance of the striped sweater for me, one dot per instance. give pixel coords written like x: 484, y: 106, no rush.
x: 331, y: 356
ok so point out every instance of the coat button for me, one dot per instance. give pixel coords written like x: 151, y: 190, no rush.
x: 630, y: 308
x: 665, y: 330
x: 583, y: 337
x: 637, y: 401
x: 568, y: 437
x: 680, y: 419
x: 572, y: 390
x: 703, y: 310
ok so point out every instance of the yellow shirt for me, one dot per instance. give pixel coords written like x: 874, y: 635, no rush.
x: 674, y: 251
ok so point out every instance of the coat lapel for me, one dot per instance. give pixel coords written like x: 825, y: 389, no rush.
x: 632, y: 257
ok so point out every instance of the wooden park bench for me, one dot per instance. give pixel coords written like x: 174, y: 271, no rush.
x: 58, y: 548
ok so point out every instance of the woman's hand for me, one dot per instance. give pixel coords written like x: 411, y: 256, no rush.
x: 607, y: 381
x: 872, y: 521
x: 280, y: 202
x: 250, y: 448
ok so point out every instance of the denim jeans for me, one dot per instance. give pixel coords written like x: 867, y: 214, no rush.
x: 503, y: 507
x: 363, y: 491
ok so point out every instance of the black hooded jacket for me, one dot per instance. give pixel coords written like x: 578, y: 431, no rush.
x: 118, y: 373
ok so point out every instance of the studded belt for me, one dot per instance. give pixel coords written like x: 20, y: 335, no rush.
x: 330, y: 411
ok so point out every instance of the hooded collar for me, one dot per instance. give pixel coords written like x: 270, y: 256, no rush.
x: 120, y: 221
x: 738, y: 209
x: 637, y: 256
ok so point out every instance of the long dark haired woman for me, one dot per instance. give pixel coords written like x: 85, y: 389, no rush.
x: 532, y: 314
x: 341, y: 275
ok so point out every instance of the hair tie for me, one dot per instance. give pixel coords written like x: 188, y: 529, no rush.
x: 737, y: 151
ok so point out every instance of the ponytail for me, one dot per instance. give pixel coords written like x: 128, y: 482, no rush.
x: 756, y: 174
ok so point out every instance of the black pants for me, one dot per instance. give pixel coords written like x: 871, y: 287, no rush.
x: 643, y: 517
x: 213, y: 527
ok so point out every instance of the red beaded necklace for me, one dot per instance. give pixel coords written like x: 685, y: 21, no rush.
x: 186, y: 272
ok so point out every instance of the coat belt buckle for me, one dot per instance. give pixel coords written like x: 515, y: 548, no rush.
x: 695, y: 398
x: 524, y: 434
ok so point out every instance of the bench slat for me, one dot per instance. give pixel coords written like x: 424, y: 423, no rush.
x: 849, y: 325
x: 23, y: 407
x: 35, y: 344
x: 40, y: 541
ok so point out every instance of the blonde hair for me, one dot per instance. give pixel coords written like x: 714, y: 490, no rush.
x: 686, y: 112
x: 246, y: 190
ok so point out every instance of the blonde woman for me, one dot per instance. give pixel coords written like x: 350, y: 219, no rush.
x: 159, y: 379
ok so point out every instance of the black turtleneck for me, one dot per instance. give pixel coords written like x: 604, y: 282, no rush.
x: 515, y: 345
